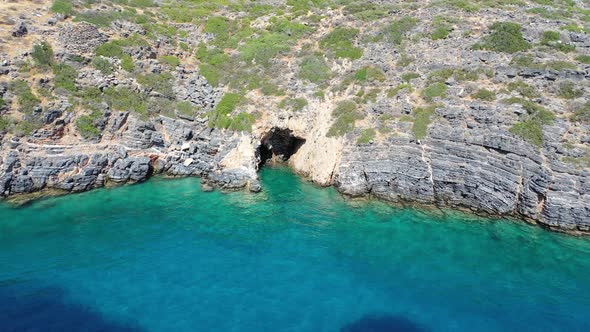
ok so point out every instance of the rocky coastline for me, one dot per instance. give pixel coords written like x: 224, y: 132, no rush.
x: 469, y: 156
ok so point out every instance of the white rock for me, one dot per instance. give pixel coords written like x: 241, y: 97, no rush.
x: 185, y: 146
x: 188, y: 161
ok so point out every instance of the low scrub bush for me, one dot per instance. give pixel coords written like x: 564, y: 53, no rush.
x: 504, y: 37
x: 27, y: 101
x: 523, y: 89
x: 582, y: 113
x: 397, y: 31
x: 170, y: 60
x: 369, y: 74
x: 42, y: 54
x: 125, y: 99
x: 367, y: 135
x: 161, y: 83
x: 340, y: 42
x: 530, y: 125
x: 62, y: 7
x: 293, y: 104
x: 567, y: 90
x: 315, y: 69
x: 220, y: 116
x: 434, y: 90
x: 86, y: 127
x: 345, y: 114
x: 65, y: 77
x: 485, y: 95
x: 103, y: 65
x: 422, y: 119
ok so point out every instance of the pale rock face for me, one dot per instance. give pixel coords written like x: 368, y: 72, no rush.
x: 242, y: 158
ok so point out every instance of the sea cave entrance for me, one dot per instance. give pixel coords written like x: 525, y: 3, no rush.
x: 277, y: 146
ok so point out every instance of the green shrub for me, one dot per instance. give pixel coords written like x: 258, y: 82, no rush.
x: 522, y: 61
x: 315, y: 69
x: 62, y: 7
x: 42, y: 54
x: 288, y: 28
x: 86, y: 127
x: 4, y: 124
x: 25, y: 127
x: 367, y: 11
x: 407, y: 77
x: 367, y: 135
x: 264, y: 48
x: 404, y: 60
x: 161, y: 83
x: 464, y: 5
x: 242, y: 122
x: 422, y: 121
x: 170, y: 60
x: 434, y: 90
x: 370, y: 96
x: 394, y: 91
x: 99, y: 18
x: 345, y: 114
x: 526, y: 61
x: 580, y: 162
x: 459, y: 74
x: 211, y: 74
x: 103, y: 65
x: 485, y: 95
x: 530, y: 130
x: 65, y: 77
x: 340, y: 43
x: 125, y: 99
x: 560, y: 65
x: 369, y: 74
x: 220, y: 116
x: 142, y: 3
x: 27, y: 101
x: 567, y: 90
x: 505, y: 37
x: 109, y: 50
x: 523, y: 89
x: 549, y: 36
x: 2, y: 103
x: 529, y: 106
x: 552, y: 39
x: 585, y: 59
x: 127, y: 63
x: 572, y: 27
x: 530, y: 125
x: 271, y: 89
x: 186, y: 108
x: 582, y: 113
x: 441, y: 33
x: 397, y: 31
x: 293, y: 104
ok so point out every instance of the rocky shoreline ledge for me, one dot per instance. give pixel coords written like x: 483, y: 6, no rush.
x: 490, y: 175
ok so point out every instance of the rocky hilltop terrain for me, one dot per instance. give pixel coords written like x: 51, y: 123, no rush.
x: 478, y: 104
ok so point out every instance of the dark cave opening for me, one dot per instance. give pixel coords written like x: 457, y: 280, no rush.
x: 277, y: 146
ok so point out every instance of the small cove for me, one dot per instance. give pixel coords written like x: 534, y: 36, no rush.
x: 164, y: 255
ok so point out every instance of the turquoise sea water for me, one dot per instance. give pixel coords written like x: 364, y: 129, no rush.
x: 165, y: 256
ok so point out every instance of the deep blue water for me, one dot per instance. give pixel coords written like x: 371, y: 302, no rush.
x: 165, y: 256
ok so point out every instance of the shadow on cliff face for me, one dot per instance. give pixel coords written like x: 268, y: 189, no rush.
x: 278, y: 145
x: 383, y: 323
x: 48, y: 309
